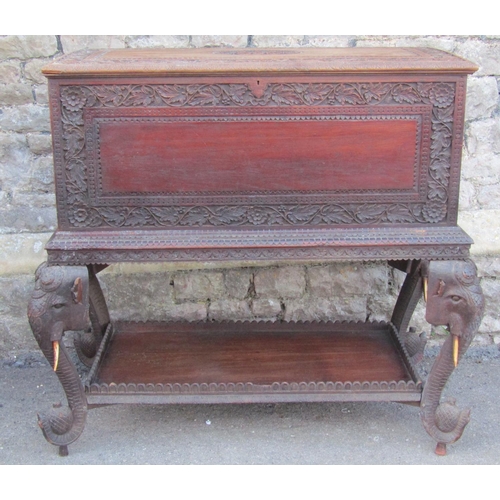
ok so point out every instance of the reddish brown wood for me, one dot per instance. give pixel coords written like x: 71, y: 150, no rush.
x: 140, y: 156
x: 258, y: 61
x: 267, y: 139
x: 258, y: 353
x: 271, y: 154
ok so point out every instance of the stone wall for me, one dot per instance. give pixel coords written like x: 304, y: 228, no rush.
x: 206, y: 291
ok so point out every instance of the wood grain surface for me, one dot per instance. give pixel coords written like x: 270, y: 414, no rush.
x: 260, y: 353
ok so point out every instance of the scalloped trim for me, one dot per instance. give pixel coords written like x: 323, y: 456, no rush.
x: 250, y: 388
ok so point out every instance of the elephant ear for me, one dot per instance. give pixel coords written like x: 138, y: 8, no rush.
x: 77, y: 291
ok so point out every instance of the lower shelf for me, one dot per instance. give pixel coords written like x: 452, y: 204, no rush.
x: 252, y: 362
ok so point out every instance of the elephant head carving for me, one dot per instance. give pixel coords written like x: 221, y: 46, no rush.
x: 60, y: 302
x: 455, y: 300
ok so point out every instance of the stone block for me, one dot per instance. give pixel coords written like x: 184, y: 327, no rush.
x: 198, y: 286
x: 266, y: 308
x: 41, y: 94
x: 187, y: 311
x: 137, y: 297
x: 10, y: 72
x: 488, y: 266
x: 25, y: 218
x: 481, y: 170
x: 39, y: 144
x: 15, y: 94
x: 491, y: 291
x: 14, y: 160
x: 238, y: 283
x: 482, y: 97
x: 352, y: 308
x: 160, y: 41
x: 219, y: 40
x: 482, y: 226
x: 379, y: 307
x: 24, y: 119
x: 483, y: 53
x: 343, y: 279
x: 27, y: 46
x: 72, y: 43
x: 490, y: 324
x: 22, y: 253
x: 33, y: 70
x: 40, y: 176
x: 225, y: 309
x: 443, y: 43
x: 277, y: 40
x: 15, y: 333
x: 34, y: 200
x: 14, y: 294
x: 489, y: 196
x: 281, y: 282
x: 467, y: 200
x: 483, y: 137
x: 328, y: 40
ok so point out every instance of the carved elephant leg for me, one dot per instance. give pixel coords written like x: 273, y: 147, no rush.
x: 60, y: 302
x: 455, y: 300
x: 408, y: 298
x: 87, y: 343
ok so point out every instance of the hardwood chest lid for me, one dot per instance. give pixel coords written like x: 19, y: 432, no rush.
x: 247, y: 61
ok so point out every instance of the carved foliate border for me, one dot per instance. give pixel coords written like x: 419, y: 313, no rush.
x: 74, y: 99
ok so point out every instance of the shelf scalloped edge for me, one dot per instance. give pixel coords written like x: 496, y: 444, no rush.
x: 250, y: 388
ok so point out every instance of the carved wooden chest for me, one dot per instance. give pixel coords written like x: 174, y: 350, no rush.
x: 227, y: 154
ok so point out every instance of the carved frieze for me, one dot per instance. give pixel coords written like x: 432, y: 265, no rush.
x: 82, y: 213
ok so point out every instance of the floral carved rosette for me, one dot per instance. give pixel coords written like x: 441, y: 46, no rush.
x: 74, y: 99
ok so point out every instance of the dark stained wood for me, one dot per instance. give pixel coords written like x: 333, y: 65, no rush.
x: 251, y: 352
x: 304, y: 244
x: 267, y: 140
x: 268, y: 154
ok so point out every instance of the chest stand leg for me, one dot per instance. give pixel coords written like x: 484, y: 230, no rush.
x: 455, y: 300
x: 60, y: 302
x: 87, y: 343
x: 408, y: 298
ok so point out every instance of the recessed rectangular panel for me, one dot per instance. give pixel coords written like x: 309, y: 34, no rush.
x: 256, y: 155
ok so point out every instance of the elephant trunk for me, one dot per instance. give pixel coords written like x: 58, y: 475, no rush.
x: 444, y: 422
x: 455, y: 299
x: 59, y: 303
x: 63, y: 425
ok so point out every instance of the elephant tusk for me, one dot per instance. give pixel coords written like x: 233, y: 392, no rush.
x: 426, y: 283
x: 455, y: 350
x: 55, y: 345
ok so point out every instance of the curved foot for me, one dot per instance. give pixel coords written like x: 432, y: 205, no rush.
x: 441, y: 449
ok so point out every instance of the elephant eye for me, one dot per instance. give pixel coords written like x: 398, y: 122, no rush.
x: 58, y: 306
x: 455, y: 298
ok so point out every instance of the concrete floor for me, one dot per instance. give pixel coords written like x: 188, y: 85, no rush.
x: 327, y: 433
